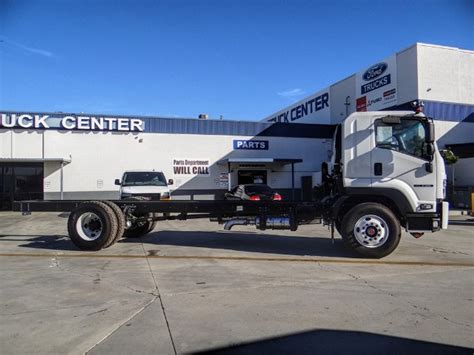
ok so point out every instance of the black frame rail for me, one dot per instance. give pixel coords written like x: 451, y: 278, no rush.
x: 198, y: 206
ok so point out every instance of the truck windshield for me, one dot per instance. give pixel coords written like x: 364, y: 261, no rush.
x: 406, y: 137
x: 144, y: 179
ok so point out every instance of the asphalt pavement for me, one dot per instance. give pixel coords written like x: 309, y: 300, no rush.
x: 190, y: 287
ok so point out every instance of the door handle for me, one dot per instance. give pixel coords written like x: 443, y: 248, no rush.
x: 378, y: 169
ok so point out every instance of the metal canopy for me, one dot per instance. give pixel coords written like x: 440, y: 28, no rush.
x: 61, y: 161
x: 230, y: 161
x: 259, y: 160
x: 35, y: 160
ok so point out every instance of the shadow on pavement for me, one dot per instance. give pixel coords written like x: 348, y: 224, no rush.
x: 461, y: 222
x: 249, y: 242
x: 339, y: 342
x: 245, y: 242
x: 50, y: 242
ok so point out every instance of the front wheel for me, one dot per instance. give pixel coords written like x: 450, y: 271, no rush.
x: 371, y: 230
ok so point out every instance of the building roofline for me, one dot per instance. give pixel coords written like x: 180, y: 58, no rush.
x: 422, y: 44
x: 115, y: 115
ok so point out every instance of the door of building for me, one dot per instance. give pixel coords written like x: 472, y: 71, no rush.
x: 251, y: 177
x: 20, y: 181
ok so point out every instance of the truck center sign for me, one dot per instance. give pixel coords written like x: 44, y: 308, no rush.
x: 311, y: 109
x: 71, y: 122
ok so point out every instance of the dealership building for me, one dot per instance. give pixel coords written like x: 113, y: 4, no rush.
x: 78, y: 156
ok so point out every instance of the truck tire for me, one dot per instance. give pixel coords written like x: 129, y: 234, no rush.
x: 92, y: 226
x: 371, y: 230
x: 120, y: 222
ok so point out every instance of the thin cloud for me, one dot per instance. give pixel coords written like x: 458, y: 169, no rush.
x: 292, y: 93
x: 28, y: 49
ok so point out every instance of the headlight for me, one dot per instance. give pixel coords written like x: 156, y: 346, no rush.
x: 165, y: 196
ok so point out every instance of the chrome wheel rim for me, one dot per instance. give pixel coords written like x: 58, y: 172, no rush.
x: 89, y: 226
x: 371, y: 231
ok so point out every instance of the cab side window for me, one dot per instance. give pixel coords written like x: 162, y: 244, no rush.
x: 407, y: 137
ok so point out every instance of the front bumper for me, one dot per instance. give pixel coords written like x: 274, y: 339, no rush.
x: 433, y: 222
x: 147, y: 196
x: 444, y: 214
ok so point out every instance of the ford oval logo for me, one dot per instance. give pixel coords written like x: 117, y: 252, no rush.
x: 375, y: 71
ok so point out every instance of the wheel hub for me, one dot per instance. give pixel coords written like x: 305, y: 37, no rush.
x: 89, y: 226
x: 371, y: 231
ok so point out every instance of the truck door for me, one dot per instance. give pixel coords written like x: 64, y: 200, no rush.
x: 399, y: 160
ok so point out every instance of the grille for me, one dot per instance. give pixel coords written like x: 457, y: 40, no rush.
x: 150, y: 197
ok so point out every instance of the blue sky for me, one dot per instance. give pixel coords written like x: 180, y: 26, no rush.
x: 239, y: 59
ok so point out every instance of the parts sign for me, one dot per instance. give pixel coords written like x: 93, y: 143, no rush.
x: 190, y: 166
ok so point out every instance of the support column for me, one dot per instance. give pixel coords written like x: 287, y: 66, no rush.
x: 292, y: 181
x: 61, y: 182
x: 229, y: 175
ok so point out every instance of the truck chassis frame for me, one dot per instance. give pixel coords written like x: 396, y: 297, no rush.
x: 368, y: 228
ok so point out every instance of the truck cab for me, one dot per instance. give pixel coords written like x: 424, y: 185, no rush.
x: 145, y: 185
x: 387, y: 159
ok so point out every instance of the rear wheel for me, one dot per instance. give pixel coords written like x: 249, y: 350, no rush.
x: 120, y: 222
x: 92, y: 226
x: 371, y: 230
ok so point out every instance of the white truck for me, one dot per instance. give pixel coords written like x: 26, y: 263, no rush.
x: 386, y: 174
x: 147, y: 185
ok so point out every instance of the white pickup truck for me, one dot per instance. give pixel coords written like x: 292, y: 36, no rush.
x: 146, y: 185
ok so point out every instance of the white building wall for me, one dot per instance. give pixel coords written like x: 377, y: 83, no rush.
x: 21, y: 144
x: 450, y: 132
x: 445, y: 74
x: 339, y: 92
x: 407, y: 75
x: 5, y: 143
x: 27, y: 144
x: 98, y: 158
x: 462, y: 172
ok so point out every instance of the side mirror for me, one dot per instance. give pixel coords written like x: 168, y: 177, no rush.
x: 430, y: 134
x: 429, y: 167
x: 117, y: 182
x: 430, y: 149
x: 170, y: 182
